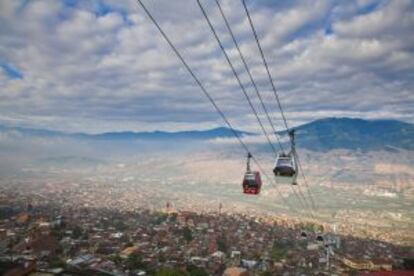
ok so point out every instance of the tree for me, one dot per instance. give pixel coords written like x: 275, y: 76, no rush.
x: 188, y: 236
x: 257, y: 255
x: 222, y: 244
x: 167, y: 271
x: 125, y: 238
x: 120, y: 225
x: 162, y: 258
x: 196, y: 271
x: 116, y: 259
x: 77, y: 232
x: 278, y: 253
x: 57, y: 262
x: 129, y: 243
x: 57, y: 233
x: 134, y: 261
x: 173, y: 218
x: 160, y: 218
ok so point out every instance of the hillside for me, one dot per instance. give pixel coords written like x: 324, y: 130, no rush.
x: 355, y: 134
x: 320, y: 135
x: 220, y: 132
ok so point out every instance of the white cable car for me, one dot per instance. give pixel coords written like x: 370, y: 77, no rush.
x: 286, y: 166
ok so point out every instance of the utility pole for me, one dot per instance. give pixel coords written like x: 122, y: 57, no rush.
x: 328, y: 267
x: 328, y: 247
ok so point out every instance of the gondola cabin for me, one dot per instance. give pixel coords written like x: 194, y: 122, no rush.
x: 251, y: 180
x: 252, y: 183
x: 285, y: 165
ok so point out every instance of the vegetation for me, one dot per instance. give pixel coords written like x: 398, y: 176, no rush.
x: 173, y: 218
x: 116, y: 259
x: 6, y: 212
x: 167, y: 271
x: 188, y: 236
x: 278, y: 253
x: 279, y: 250
x: 57, y: 233
x: 76, y: 232
x: 346, y: 133
x: 134, y: 261
x: 222, y: 244
x: 196, y: 271
x: 120, y: 225
x: 5, y: 266
x: 160, y: 218
x: 57, y: 262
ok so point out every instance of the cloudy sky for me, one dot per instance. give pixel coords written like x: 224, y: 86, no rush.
x: 101, y: 65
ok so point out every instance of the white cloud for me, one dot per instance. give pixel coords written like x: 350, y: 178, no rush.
x: 395, y: 16
x: 89, y: 72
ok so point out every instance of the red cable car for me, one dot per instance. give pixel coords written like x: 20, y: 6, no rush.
x: 251, y: 181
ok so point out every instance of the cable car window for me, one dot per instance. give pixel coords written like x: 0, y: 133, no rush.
x: 284, y: 162
x: 250, y: 177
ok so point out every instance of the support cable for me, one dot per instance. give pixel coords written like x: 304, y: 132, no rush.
x: 218, y: 110
x: 257, y: 93
x: 276, y: 96
x: 236, y: 75
x: 249, y: 73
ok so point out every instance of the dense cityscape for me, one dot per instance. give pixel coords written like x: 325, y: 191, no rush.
x: 47, y: 234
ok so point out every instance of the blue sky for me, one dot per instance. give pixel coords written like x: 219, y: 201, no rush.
x: 96, y: 66
x: 11, y: 72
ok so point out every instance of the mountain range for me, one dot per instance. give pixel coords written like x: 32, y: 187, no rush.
x: 356, y: 134
x: 320, y: 135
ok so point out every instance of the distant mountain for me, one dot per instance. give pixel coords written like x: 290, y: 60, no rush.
x: 346, y: 133
x: 220, y: 132
x: 32, y: 131
x: 70, y: 161
x: 320, y: 135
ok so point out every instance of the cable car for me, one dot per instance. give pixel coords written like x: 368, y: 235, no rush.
x: 286, y: 164
x: 252, y: 181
